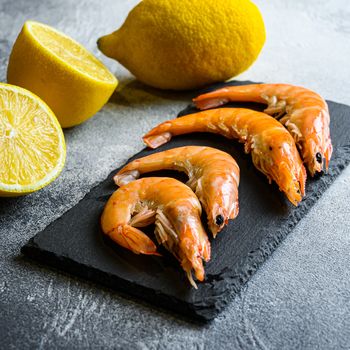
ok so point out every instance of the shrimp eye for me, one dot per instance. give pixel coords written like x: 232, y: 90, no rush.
x: 219, y: 220
x: 319, y: 157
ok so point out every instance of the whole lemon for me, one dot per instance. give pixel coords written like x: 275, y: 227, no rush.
x: 187, y: 44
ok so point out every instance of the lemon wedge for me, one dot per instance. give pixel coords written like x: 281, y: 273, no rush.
x: 70, y: 79
x: 32, y: 146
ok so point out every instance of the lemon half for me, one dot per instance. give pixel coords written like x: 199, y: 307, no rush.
x: 32, y: 146
x: 70, y: 79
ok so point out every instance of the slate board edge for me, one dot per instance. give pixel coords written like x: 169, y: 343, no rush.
x: 204, y: 314
x: 125, y: 288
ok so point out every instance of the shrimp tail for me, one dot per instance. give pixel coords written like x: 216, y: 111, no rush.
x: 210, y: 103
x: 133, y: 239
x: 150, y: 163
x: 189, y: 123
x: 154, y: 141
x: 125, y: 178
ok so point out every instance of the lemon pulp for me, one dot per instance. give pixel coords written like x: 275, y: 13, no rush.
x: 32, y: 147
x: 70, y: 51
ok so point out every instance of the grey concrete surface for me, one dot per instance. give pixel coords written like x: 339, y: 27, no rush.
x: 299, y: 299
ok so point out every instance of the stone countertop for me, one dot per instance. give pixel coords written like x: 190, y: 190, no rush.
x: 300, y: 298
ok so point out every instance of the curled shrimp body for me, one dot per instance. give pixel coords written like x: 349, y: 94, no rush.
x: 304, y: 113
x: 174, y: 209
x: 273, y: 149
x: 213, y: 176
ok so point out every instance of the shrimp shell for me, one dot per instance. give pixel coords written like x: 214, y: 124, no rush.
x: 273, y: 149
x: 174, y: 209
x: 213, y: 176
x: 303, y: 112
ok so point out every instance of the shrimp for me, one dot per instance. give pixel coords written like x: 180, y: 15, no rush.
x: 213, y: 176
x: 174, y: 209
x: 273, y: 149
x: 303, y: 112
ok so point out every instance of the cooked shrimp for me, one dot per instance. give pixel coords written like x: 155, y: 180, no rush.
x: 213, y: 176
x: 174, y: 209
x: 304, y: 113
x: 273, y: 149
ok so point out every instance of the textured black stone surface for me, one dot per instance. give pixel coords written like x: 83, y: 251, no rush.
x: 75, y: 244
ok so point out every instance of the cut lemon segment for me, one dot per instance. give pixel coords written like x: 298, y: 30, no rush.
x: 70, y: 79
x: 70, y: 52
x: 32, y: 146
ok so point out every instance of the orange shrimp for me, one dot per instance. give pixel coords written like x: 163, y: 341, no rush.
x: 174, y: 209
x: 273, y: 149
x: 303, y: 112
x: 213, y: 176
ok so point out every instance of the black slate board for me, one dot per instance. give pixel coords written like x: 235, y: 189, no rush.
x: 75, y: 244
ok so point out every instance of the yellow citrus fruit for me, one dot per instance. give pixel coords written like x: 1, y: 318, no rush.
x: 32, y: 147
x: 73, y: 82
x: 187, y: 44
